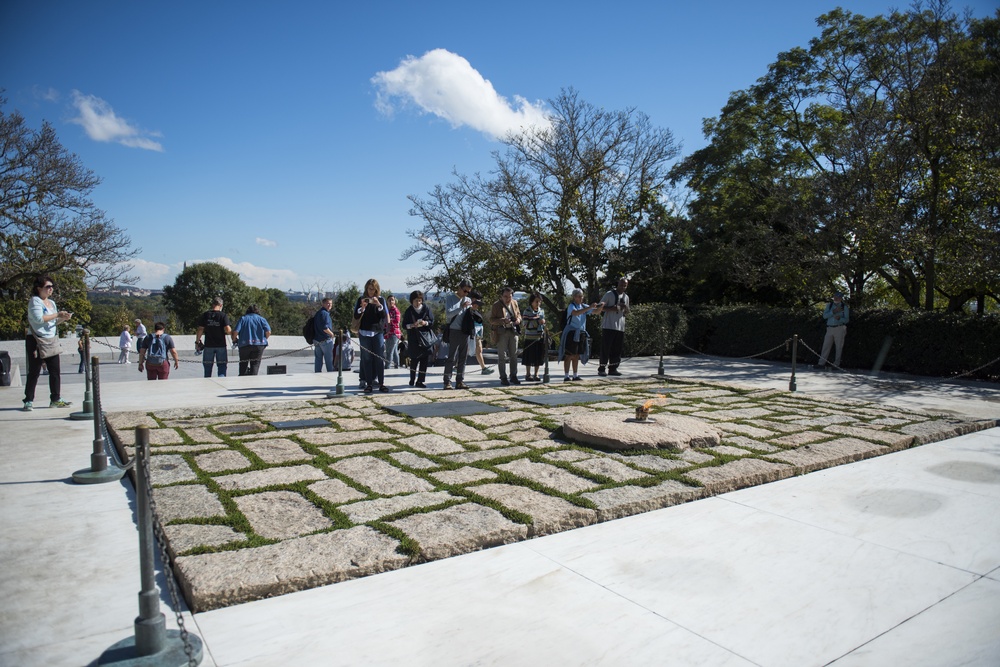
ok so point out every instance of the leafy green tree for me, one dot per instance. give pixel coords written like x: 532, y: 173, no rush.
x: 559, y: 202
x: 343, y: 307
x: 48, y: 223
x: 285, y: 317
x: 196, y: 286
x: 871, y: 154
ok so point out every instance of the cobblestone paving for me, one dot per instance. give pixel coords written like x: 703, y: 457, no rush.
x: 252, y: 512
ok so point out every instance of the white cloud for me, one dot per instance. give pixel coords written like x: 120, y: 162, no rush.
x: 48, y: 94
x: 446, y: 85
x: 101, y: 123
x: 267, y: 243
x: 153, y: 275
x: 258, y: 276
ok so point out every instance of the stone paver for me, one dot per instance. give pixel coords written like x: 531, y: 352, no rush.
x: 185, y: 536
x: 830, y: 453
x: 606, y: 467
x: 336, y: 491
x: 617, y: 502
x: 224, y: 459
x: 187, y: 501
x: 270, y: 477
x: 432, y: 443
x: 221, y: 579
x: 549, y: 515
x: 548, y: 475
x: 460, y: 529
x: 411, y: 460
x: 370, y: 510
x: 381, y: 477
x: 170, y: 468
x: 281, y: 514
x: 739, y: 474
x: 465, y: 475
x: 277, y: 450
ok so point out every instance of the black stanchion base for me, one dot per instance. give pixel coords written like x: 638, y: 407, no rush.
x: 89, y: 476
x: 80, y: 416
x: 123, y: 653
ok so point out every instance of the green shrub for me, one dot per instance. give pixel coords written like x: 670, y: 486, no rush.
x: 920, y: 343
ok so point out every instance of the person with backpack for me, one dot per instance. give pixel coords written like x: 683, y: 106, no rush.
x: 419, y: 322
x: 372, y: 313
x: 616, y: 307
x: 153, y: 354
x: 215, y: 325
x: 322, y: 337
x: 251, y: 334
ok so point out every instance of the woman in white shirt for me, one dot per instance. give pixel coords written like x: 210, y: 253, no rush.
x: 43, y: 320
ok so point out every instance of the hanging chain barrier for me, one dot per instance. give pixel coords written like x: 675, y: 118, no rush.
x: 142, y: 456
x: 356, y: 344
x: 863, y: 375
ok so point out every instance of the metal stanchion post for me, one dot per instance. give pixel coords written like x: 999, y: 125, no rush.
x: 795, y: 354
x: 99, y: 472
x: 340, y: 369
x: 545, y: 340
x: 87, y: 409
x: 152, y: 643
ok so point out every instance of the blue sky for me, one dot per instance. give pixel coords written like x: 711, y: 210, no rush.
x: 281, y: 139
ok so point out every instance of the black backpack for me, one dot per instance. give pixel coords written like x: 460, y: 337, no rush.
x: 309, y: 329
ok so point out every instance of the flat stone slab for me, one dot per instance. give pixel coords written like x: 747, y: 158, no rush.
x: 235, y: 429
x: 300, y: 423
x: 740, y: 474
x: 281, y: 514
x: 548, y: 475
x: 270, y: 477
x: 830, y: 453
x: 380, y: 476
x: 444, y: 409
x: 370, y: 510
x: 460, y: 529
x: 188, y: 501
x: 186, y: 536
x: 549, y: 515
x: 621, y: 501
x: 215, y: 580
x: 565, y: 398
x: 662, y: 431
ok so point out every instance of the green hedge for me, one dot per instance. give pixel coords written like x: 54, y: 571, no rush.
x: 921, y: 343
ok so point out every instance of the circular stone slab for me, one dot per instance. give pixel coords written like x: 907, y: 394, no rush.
x: 618, y: 431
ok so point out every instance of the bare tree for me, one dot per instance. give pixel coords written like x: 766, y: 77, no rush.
x: 561, y: 200
x: 48, y: 224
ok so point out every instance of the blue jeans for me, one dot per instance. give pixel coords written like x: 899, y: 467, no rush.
x: 323, y: 351
x: 218, y: 355
x: 372, y: 366
x: 392, y: 350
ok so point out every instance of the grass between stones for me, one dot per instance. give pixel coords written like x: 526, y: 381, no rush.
x: 370, y: 463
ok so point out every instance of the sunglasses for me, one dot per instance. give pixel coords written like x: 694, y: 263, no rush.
x: 49, y: 287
